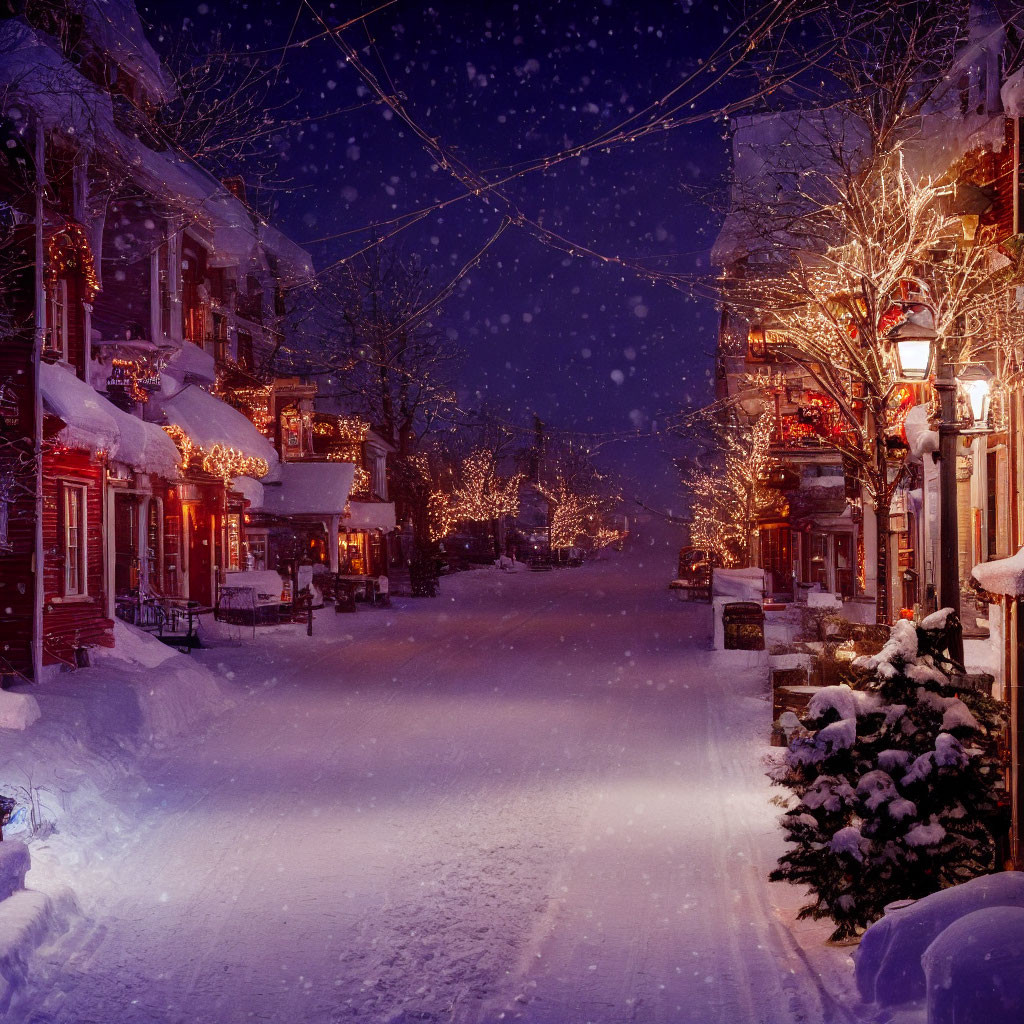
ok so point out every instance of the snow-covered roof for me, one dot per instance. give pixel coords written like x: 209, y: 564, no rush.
x: 773, y: 156
x: 250, y: 489
x: 35, y: 78
x: 97, y: 425
x: 309, y: 488
x: 1003, y: 576
x: 293, y: 264
x: 208, y: 421
x: 370, y: 515
x: 114, y: 28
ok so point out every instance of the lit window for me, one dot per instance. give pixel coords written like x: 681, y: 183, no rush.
x: 74, y: 529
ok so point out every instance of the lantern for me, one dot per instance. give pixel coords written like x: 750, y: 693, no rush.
x: 914, y: 344
x: 976, y: 381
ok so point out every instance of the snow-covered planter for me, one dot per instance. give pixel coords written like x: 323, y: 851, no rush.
x: 889, y: 967
x: 960, y: 952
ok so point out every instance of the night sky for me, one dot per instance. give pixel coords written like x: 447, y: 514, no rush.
x: 588, y: 347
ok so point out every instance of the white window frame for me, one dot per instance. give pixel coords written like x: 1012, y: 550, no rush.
x: 57, y: 336
x: 76, y: 569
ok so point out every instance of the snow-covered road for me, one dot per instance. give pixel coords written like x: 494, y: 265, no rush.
x: 538, y: 798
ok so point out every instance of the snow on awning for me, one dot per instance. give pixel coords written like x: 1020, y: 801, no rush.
x: 207, y: 421
x: 96, y: 425
x: 190, y: 363
x: 309, y: 488
x: 89, y: 418
x: 370, y: 515
x: 1003, y: 576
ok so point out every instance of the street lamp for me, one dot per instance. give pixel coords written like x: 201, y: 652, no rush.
x: 976, y: 381
x: 914, y: 344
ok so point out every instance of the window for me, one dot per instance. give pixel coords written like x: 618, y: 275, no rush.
x: 73, y: 510
x: 57, y: 332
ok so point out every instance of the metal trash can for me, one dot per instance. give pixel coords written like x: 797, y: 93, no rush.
x: 743, y: 626
x: 345, y: 596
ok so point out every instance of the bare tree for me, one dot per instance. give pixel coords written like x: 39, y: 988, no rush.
x: 852, y: 229
x: 230, y: 112
x: 364, y: 331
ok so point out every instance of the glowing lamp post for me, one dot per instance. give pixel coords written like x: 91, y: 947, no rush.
x: 976, y: 382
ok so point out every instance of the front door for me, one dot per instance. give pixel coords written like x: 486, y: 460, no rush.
x: 200, y: 553
x: 777, y: 559
x: 126, y: 544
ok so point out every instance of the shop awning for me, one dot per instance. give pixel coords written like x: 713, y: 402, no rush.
x: 308, y: 488
x: 370, y: 515
x: 93, y: 423
x: 207, y: 421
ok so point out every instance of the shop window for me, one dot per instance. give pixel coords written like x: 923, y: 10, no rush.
x: 234, y: 531
x: 73, y: 530
x: 257, y: 545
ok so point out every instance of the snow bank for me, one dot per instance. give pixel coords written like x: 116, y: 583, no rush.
x: 889, y: 967
x: 17, y: 710
x: 167, y: 703
x: 975, y: 969
x: 14, y: 865
x: 27, y: 920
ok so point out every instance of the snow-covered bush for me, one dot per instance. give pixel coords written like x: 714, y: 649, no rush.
x: 895, y: 785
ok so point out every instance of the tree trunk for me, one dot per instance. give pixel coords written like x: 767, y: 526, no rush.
x: 882, y: 534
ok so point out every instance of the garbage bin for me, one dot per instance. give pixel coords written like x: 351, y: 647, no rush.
x: 345, y: 596
x: 743, y: 626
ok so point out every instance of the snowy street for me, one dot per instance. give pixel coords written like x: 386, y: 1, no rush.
x: 537, y: 798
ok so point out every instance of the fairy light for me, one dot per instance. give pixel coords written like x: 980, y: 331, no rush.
x: 68, y: 252
x: 221, y: 460
x: 484, y: 495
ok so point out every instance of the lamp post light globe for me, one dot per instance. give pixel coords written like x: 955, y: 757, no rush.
x: 976, y: 382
